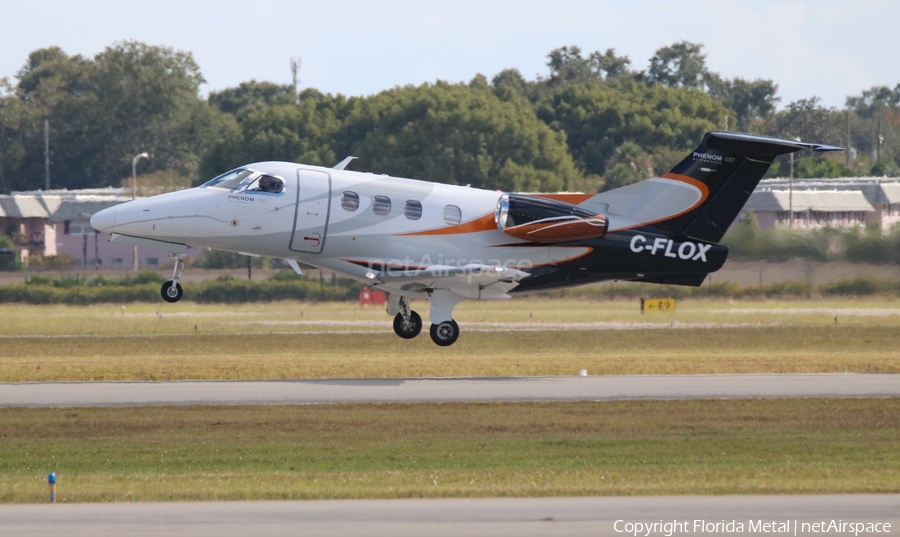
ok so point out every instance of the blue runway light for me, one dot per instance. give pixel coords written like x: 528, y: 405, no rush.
x: 51, y: 481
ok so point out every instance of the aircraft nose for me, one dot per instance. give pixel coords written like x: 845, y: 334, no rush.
x: 104, y: 220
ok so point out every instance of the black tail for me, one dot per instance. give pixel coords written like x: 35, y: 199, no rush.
x: 728, y: 165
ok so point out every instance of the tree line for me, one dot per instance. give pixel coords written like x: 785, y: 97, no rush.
x: 593, y: 122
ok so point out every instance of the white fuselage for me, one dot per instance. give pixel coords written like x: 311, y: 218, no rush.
x: 338, y: 220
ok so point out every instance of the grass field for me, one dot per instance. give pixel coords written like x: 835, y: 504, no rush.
x: 451, y: 450
x: 448, y: 450
x: 535, y: 336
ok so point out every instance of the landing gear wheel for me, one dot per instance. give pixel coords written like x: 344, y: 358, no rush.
x: 445, y: 333
x: 171, y: 291
x: 407, y: 329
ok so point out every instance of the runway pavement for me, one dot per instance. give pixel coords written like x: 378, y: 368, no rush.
x: 452, y: 517
x: 499, y: 517
x: 588, y: 388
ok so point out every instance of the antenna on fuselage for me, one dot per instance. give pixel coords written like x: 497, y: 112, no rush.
x: 343, y: 164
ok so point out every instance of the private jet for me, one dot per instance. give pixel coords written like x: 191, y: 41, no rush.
x: 442, y: 243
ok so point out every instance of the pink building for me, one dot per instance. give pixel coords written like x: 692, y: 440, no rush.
x: 841, y: 202
x: 812, y: 209
x: 57, y: 222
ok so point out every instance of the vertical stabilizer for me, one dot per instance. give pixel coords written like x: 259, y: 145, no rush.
x: 704, y: 193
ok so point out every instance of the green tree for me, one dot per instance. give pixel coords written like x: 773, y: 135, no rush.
x: 878, y: 119
x: 251, y: 96
x: 458, y: 134
x: 509, y: 84
x: 598, y: 119
x: 681, y: 65
x: 629, y: 164
x: 753, y: 102
x: 874, y: 101
x: 303, y: 132
x: 805, y: 119
x: 567, y: 66
x: 130, y: 98
x: 885, y: 168
x: 12, y: 149
x: 609, y: 64
x: 819, y: 167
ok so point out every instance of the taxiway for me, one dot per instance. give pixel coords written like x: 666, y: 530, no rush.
x: 421, y: 390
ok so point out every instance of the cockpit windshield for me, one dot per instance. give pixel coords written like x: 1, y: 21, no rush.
x: 230, y: 180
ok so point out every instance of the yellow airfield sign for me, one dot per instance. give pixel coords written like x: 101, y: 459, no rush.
x: 657, y: 304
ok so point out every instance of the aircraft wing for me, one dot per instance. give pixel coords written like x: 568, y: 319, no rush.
x: 469, y: 281
x: 175, y: 248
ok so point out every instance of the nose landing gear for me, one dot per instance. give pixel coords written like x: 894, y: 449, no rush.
x: 171, y: 290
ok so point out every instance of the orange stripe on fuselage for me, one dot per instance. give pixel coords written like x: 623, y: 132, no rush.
x: 484, y: 223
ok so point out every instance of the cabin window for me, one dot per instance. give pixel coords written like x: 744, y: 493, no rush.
x: 350, y: 201
x: 452, y: 215
x: 230, y: 180
x: 381, y: 205
x: 413, y: 210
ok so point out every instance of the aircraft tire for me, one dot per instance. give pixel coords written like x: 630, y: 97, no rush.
x: 408, y: 330
x: 445, y: 333
x: 171, y: 291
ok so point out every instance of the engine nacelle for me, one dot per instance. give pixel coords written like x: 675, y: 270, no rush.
x: 538, y: 219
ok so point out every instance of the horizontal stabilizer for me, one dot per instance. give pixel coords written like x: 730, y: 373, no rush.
x: 754, y: 144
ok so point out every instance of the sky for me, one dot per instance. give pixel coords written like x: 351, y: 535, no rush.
x: 825, y: 48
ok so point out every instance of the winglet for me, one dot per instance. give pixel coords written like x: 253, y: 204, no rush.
x: 343, y: 164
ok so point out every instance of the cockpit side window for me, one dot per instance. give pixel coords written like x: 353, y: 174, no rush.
x: 230, y: 180
x: 267, y: 183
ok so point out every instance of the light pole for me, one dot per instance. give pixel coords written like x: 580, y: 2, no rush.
x: 134, y: 162
x: 791, y: 191
x: 791, y: 195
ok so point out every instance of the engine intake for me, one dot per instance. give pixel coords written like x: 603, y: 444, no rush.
x: 538, y: 219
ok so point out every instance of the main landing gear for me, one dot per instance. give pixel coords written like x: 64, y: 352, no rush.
x: 171, y: 290
x: 445, y: 333
x: 408, y: 324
